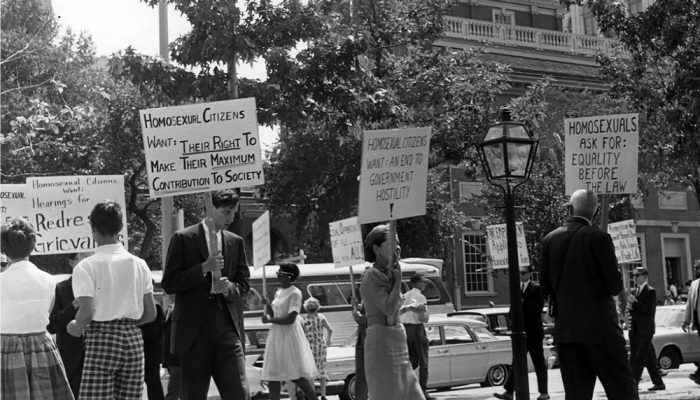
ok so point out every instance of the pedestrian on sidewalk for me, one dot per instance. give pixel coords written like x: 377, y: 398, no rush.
x: 414, y: 313
x: 30, y: 365
x: 358, y: 314
x: 532, y: 303
x: 115, y: 295
x: 207, y: 271
x: 314, y: 324
x: 65, y: 306
x: 580, y: 276
x: 288, y: 356
x: 642, y: 309
x: 692, y: 312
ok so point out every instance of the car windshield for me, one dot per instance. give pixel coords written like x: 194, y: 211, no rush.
x: 483, y: 334
x: 669, y: 317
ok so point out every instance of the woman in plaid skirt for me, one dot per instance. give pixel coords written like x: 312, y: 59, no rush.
x: 31, y: 365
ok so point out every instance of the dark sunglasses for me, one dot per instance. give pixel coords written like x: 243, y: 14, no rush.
x: 289, y: 274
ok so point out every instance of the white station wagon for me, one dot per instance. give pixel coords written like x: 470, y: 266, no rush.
x: 462, y: 351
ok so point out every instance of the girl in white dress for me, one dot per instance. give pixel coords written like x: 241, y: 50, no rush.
x: 288, y: 356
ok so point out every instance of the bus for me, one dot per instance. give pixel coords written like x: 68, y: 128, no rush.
x: 332, y: 287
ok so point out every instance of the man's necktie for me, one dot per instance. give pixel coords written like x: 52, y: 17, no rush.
x: 213, y: 250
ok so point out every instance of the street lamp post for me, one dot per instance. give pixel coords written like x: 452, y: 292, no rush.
x: 507, y: 154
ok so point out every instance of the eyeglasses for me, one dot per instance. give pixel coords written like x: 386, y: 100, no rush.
x: 637, y: 275
x: 523, y: 273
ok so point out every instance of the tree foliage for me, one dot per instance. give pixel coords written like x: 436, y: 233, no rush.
x: 659, y: 74
x: 374, y: 69
x: 540, y: 203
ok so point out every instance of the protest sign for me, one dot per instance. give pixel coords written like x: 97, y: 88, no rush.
x: 394, y: 174
x: 497, y: 241
x: 59, y: 207
x: 601, y: 153
x: 346, y: 242
x: 202, y: 147
x: 14, y: 202
x: 624, y: 237
x: 261, y: 240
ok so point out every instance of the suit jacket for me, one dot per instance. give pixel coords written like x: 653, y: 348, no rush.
x: 533, y: 303
x: 70, y: 347
x: 587, y: 280
x: 643, y: 312
x: 692, y: 308
x: 183, y: 276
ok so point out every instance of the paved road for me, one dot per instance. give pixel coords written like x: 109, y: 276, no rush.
x: 678, y: 386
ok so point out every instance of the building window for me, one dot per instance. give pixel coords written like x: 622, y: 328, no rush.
x: 669, y: 200
x: 468, y: 190
x: 503, y: 16
x: 477, y: 278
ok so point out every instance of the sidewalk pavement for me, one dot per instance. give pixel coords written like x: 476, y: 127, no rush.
x: 678, y: 387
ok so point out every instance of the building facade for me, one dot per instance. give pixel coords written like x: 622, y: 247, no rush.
x: 537, y: 38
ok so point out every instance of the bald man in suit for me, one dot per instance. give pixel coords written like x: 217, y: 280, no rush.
x: 580, y: 275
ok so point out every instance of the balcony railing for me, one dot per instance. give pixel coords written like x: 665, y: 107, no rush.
x: 521, y: 36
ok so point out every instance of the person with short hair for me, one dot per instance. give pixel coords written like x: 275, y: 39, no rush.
x: 288, y: 355
x: 642, y: 309
x: 580, y: 276
x: 64, y: 309
x: 30, y: 365
x: 387, y: 365
x: 115, y: 295
x: 314, y: 324
x: 414, y: 314
x: 206, y: 269
x: 691, y: 319
x: 532, y: 303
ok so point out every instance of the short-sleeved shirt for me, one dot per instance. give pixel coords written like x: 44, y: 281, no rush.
x: 26, y: 293
x: 117, y: 281
x: 412, y: 297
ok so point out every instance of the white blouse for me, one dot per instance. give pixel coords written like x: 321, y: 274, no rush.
x: 26, y: 296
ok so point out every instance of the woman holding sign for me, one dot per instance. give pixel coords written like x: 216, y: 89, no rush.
x: 387, y: 366
x: 288, y: 356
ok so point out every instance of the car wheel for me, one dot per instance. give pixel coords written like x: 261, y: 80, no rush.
x: 496, y: 376
x: 348, y: 392
x: 669, y: 358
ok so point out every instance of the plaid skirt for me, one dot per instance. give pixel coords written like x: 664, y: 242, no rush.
x: 32, y: 368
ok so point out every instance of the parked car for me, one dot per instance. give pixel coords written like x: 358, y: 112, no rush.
x: 673, y: 346
x: 462, y: 351
x: 498, y: 322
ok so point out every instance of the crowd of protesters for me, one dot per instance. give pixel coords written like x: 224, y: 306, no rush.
x: 112, y: 337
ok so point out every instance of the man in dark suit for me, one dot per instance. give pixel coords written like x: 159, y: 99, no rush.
x: 533, y: 303
x: 207, y: 271
x: 70, y: 347
x: 580, y: 275
x: 642, y: 308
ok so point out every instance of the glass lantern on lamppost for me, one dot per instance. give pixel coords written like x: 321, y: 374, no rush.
x: 507, y: 154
